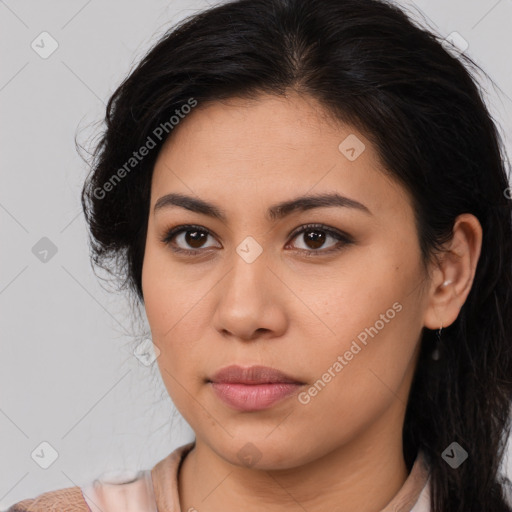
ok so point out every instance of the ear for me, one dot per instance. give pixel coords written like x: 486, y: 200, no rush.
x: 453, y: 273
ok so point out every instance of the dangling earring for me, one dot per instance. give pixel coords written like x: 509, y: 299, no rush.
x: 435, y: 353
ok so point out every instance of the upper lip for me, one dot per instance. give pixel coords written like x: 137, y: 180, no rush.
x: 252, y: 375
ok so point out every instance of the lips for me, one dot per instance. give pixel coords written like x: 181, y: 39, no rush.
x: 252, y: 375
x: 253, y: 388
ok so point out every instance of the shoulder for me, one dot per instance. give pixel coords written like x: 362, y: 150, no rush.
x: 69, y: 499
x: 149, y: 490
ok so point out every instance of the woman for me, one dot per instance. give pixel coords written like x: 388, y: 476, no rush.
x: 308, y: 198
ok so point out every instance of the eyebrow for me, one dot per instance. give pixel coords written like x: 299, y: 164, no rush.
x: 275, y: 212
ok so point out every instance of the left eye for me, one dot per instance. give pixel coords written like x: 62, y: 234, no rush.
x: 314, y: 236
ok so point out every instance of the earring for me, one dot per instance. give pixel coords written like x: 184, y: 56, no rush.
x: 435, y: 353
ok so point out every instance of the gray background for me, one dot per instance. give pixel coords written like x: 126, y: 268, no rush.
x: 68, y: 375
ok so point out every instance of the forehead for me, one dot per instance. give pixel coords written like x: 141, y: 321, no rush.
x: 268, y: 127
x: 270, y: 147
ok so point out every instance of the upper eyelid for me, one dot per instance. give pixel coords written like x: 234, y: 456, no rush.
x: 320, y: 227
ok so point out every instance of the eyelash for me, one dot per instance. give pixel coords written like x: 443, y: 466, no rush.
x: 342, y: 238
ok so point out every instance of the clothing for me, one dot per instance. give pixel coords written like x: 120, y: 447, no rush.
x: 156, y: 490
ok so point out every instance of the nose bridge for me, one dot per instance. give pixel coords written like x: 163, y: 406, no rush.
x: 249, y: 273
x: 247, y: 298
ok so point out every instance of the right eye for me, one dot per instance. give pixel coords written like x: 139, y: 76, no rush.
x: 187, y: 235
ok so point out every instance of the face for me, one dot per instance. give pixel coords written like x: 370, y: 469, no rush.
x: 331, y: 294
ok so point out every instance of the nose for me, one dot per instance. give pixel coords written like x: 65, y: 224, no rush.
x: 251, y: 301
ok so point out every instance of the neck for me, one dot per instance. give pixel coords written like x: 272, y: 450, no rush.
x: 361, y: 475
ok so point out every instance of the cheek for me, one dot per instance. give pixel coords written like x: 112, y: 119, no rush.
x: 369, y: 325
x: 157, y: 304
x: 165, y: 314
x: 348, y: 299
x: 354, y: 382
x: 172, y: 306
x: 165, y: 296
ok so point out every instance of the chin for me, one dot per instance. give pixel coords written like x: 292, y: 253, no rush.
x: 262, y: 451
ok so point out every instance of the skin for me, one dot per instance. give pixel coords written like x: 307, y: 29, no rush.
x: 343, y: 449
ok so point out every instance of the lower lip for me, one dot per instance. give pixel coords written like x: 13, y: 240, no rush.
x: 253, y: 397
